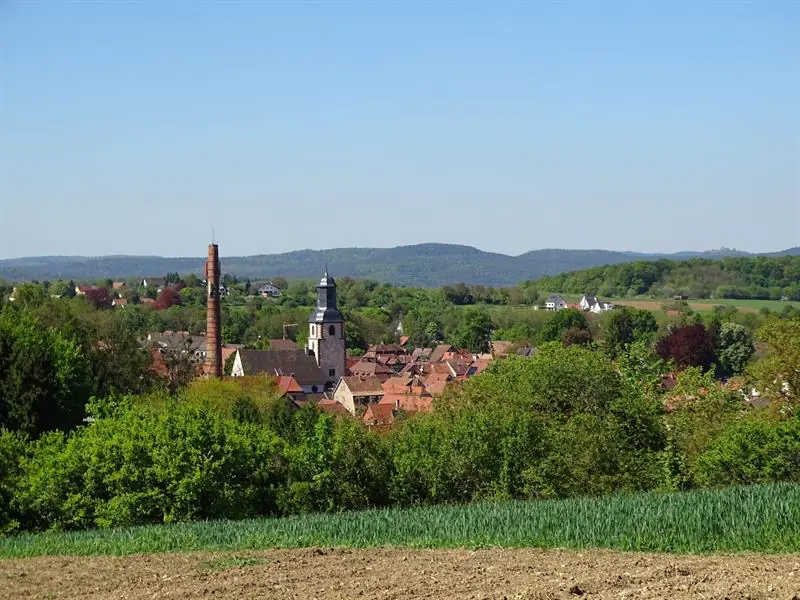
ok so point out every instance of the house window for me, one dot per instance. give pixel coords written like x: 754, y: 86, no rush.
x: 331, y: 372
x: 331, y: 330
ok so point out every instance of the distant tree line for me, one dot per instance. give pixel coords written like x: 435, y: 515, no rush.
x: 767, y: 278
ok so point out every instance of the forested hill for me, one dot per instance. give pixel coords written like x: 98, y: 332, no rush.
x: 423, y: 265
x: 767, y: 277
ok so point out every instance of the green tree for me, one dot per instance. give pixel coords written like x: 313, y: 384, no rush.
x: 561, y: 321
x: 30, y: 296
x: 627, y: 325
x: 782, y: 363
x: 474, y: 331
x: 734, y: 348
x: 44, y: 376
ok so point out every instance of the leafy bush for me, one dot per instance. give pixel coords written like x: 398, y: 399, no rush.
x: 178, y: 464
x: 334, y: 465
x: 752, y: 451
x: 13, y: 450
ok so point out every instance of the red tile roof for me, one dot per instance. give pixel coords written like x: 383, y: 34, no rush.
x: 480, y: 365
x: 332, y: 407
x: 409, y: 402
x: 439, y: 352
x: 378, y: 415
x: 288, y: 385
x: 368, y: 368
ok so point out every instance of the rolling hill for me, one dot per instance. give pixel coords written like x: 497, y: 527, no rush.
x: 424, y: 265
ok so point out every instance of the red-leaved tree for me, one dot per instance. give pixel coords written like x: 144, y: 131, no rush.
x: 167, y: 297
x: 99, y: 298
x: 688, y: 346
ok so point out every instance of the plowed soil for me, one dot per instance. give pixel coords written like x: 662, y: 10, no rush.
x: 403, y: 574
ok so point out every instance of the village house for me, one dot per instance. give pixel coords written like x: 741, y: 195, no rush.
x: 181, y: 342
x: 368, y: 368
x: 355, y: 393
x: 379, y: 416
x: 291, y: 390
x: 269, y: 290
x: 295, y: 363
x: 80, y: 290
x: 438, y: 353
x: 593, y: 305
x: 555, y: 302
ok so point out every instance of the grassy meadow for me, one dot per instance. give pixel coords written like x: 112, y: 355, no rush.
x: 759, y: 518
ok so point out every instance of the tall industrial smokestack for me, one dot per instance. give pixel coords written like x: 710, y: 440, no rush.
x: 213, y: 325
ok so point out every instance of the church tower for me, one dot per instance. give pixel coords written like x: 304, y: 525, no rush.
x: 326, y: 331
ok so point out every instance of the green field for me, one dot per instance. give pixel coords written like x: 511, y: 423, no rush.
x: 773, y: 305
x: 762, y: 518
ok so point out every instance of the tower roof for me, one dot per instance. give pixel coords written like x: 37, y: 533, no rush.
x: 326, y: 310
x: 327, y: 280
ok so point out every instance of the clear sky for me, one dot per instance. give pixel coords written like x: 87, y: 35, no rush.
x: 132, y: 127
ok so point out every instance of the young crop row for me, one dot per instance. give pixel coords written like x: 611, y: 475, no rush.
x: 759, y: 518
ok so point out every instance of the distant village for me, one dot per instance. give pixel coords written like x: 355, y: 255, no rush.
x: 386, y: 381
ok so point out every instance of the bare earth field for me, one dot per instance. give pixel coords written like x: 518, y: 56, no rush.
x: 402, y: 574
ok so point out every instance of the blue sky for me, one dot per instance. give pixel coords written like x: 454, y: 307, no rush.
x: 133, y: 127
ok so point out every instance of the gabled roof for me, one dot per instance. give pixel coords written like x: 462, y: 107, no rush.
x: 177, y: 340
x: 281, y: 345
x: 332, y: 407
x: 378, y: 414
x: 439, y: 352
x: 386, y: 349
x: 409, y: 402
x: 228, y: 350
x: 288, y: 385
x: 404, y: 384
x: 480, y: 365
x: 555, y: 298
x: 367, y: 368
x: 296, y: 363
x: 418, y: 353
x: 436, y: 382
x: 362, y: 386
x: 458, y: 366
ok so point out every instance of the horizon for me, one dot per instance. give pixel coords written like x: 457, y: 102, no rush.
x: 469, y: 246
x: 130, y: 127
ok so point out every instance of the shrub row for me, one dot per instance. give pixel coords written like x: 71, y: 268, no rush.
x: 562, y: 424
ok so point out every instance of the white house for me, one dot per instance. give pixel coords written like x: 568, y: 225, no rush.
x: 269, y: 290
x: 593, y: 305
x: 554, y: 302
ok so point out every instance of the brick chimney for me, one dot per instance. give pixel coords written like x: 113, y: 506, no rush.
x: 213, y: 324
